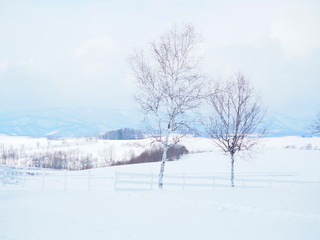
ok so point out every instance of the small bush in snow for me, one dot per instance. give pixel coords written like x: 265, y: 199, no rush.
x: 290, y: 147
x: 308, y: 146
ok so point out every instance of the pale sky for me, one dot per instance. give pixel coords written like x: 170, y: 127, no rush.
x: 73, y: 53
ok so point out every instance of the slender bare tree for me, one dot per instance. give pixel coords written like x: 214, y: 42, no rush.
x: 170, y: 85
x: 315, y: 127
x: 235, y: 118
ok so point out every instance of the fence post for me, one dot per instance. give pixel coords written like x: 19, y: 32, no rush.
x: 89, y: 179
x: 151, y: 185
x: 214, y: 182
x: 42, y: 184
x: 183, y: 181
x: 24, y: 177
x: 115, y: 180
x: 270, y: 182
x: 4, y: 176
x: 65, y: 180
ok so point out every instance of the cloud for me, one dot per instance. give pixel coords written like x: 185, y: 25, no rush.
x: 297, y: 28
x: 77, y: 52
x: 4, y: 65
x: 26, y: 63
x: 97, y: 54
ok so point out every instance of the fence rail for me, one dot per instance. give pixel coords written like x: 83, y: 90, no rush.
x: 125, y: 180
x: 37, y: 178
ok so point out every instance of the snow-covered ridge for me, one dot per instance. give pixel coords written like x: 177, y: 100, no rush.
x: 84, y: 122
x: 66, y: 122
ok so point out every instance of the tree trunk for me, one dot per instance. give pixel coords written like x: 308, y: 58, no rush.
x: 164, y: 158
x: 232, y: 170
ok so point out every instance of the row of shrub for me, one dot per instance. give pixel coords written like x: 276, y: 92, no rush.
x: 305, y: 147
x: 155, y: 155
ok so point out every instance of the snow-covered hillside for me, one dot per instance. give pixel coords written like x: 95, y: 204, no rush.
x: 279, y: 211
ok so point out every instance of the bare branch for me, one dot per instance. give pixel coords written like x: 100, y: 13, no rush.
x: 315, y: 127
x: 169, y: 80
x: 235, y: 121
x: 170, y: 85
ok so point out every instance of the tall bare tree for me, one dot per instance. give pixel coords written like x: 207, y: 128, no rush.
x: 170, y: 85
x: 235, y: 118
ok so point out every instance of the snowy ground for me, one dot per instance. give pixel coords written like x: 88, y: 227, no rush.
x: 282, y: 211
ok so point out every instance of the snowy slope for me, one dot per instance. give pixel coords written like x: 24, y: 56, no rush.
x: 289, y: 211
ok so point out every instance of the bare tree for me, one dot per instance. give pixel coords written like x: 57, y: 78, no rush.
x: 315, y: 127
x: 170, y: 85
x: 235, y: 119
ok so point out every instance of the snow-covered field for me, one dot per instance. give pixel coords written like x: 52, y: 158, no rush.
x: 289, y: 210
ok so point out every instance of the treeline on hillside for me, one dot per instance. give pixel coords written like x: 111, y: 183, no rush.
x: 123, y: 134
x: 75, y: 159
x: 70, y: 159
x: 155, y: 155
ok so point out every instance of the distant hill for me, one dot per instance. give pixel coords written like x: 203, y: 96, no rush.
x: 86, y: 122
x: 282, y: 125
x: 66, y: 122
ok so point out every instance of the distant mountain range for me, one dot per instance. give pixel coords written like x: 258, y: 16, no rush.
x: 65, y: 122
x: 85, y: 122
x: 283, y: 125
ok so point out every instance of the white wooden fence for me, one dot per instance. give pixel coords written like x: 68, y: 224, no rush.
x: 46, y: 179
x: 142, y: 181
x: 41, y: 179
